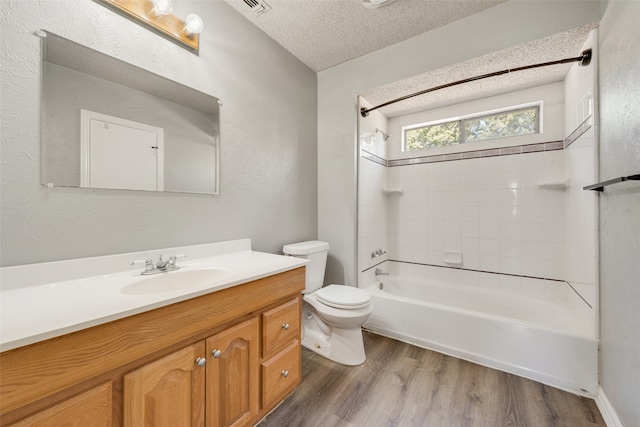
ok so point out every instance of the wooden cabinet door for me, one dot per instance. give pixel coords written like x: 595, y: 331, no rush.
x: 91, y: 408
x: 232, y: 375
x: 168, y: 392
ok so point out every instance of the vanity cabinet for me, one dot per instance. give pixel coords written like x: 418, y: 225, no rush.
x: 168, y: 392
x: 185, y: 388
x: 232, y: 375
x: 280, y: 369
x: 222, y: 359
x: 91, y: 408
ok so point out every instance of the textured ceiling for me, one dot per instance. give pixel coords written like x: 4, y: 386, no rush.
x: 325, y: 33
x: 559, y: 46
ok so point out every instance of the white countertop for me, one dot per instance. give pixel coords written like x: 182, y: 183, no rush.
x: 38, y: 310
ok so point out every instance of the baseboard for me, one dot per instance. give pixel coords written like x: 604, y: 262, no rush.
x: 608, y: 413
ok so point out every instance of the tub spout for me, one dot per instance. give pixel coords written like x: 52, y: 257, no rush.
x: 379, y: 272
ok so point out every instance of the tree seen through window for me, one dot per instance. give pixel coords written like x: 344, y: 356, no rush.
x: 492, y: 126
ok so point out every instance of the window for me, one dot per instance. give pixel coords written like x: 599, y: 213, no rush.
x: 513, y: 122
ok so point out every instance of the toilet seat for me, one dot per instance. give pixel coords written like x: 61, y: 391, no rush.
x: 343, y: 297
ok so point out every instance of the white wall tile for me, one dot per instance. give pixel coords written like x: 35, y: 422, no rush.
x: 470, y: 228
x: 532, y: 267
x: 492, y: 210
x: 510, y: 284
x: 489, y: 247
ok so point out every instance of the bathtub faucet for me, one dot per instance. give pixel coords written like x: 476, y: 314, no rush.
x: 379, y: 272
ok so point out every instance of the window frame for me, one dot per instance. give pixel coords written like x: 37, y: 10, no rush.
x: 538, y: 105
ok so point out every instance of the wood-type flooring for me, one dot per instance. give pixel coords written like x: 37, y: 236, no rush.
x: 403, y: 385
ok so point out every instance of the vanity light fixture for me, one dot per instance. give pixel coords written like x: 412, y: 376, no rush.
x: 156, y: 15
x: 193, y: 25
x: 162, y: 7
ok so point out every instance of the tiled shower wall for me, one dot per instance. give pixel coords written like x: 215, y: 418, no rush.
x: 372, y: 204
x: 489, y: 209
x: 581, y: 164
x: 491, y: 205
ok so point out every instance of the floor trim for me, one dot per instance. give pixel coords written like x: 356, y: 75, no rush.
x: 606, y: 409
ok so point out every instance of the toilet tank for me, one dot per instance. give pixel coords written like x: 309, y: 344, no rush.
x: 316, y: 252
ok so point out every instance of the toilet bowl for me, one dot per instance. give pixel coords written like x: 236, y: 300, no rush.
x: 332, y: 316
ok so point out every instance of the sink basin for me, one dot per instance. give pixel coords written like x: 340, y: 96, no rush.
x: 174, y: 281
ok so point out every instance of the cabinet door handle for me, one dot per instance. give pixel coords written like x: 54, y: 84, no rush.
x: 285, y: 374
x: 216, y: 353
x: 201, y: 361
x: 285, y: 326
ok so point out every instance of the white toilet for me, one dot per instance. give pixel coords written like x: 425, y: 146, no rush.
x: 331, y: 316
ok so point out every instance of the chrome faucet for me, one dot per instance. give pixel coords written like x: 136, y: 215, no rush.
x: 379, y: 272
x: 161, y: 266
x: 377, y: 253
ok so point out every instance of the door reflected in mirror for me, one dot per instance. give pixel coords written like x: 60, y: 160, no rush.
x: 109, y: 124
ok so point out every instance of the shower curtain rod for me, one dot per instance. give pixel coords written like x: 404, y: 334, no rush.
x: 584, y: 59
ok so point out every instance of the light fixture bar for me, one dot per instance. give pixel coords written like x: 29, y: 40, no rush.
x: 169, y: 26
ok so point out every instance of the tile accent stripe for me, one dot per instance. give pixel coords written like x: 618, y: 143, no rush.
x: 580, y: 130
x: 372, y: 157
x: 477, y: 271
x: 373, y: 266
x: 578, y: 293
x: 476, y: 154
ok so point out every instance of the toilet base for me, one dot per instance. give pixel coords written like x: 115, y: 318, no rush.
x: 343, y: 346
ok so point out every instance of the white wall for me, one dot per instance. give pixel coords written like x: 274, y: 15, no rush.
x: 268, y: 127
x: 619, y: 38
x: 505, y: 25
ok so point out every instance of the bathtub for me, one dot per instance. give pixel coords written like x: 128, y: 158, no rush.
x: 553, y: 342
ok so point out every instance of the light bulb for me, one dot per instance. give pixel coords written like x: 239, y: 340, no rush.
x: 162, y: 7
x: 194, y: 24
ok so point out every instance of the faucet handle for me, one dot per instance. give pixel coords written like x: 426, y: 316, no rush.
x: 172, y: 261
x: 148, y: 263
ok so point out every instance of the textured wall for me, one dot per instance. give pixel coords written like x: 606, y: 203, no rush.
x: 619, y: 36
x: 268, y: 127
x: 502, y: 26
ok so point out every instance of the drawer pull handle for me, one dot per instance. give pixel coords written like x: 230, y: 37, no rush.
x: 285, y: 374
x: 216, y: 353
x: 285, y: 326
x: 201, y: 361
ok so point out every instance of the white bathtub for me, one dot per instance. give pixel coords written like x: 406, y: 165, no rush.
x: 553, y: 342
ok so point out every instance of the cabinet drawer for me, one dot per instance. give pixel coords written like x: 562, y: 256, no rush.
x: 280, y: 374
x: 280, y: 326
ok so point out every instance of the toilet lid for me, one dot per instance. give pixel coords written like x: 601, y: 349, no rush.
x: 341, y: 296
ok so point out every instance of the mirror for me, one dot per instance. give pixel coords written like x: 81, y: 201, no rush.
x: 109, y: 124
